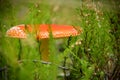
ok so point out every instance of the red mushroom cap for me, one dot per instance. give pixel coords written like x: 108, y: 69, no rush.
x: 58, y: 31
x: 43, y: 30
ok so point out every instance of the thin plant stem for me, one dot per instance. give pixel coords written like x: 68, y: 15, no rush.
x: 64, y: 71
x: 20, y: 50
x: 39, y: 44
x: 6, y: 71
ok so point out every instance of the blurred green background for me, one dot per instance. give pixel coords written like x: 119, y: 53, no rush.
x: 93, y: 55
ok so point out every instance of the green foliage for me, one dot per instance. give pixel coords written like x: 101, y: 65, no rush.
x: 93, y: 55
x: 38, y: 13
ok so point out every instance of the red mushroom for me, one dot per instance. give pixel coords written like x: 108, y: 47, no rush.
x: 43, y: 30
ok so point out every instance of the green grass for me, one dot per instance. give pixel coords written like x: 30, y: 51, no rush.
x: 93, y: 55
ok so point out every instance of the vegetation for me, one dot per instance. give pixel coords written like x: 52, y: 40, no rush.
x: 93, y: 55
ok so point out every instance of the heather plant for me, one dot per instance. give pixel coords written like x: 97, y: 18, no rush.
x: 95, y: 58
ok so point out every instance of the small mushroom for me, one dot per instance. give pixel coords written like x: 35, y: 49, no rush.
x: 43, y: 30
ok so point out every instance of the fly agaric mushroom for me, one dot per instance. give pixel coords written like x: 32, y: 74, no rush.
x: 43, y: 30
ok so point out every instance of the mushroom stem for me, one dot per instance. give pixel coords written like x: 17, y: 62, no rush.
x: 44, y: 49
